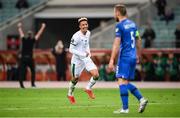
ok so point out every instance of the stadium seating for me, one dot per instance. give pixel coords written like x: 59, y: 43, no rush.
x: 9, y: 10
x: 165, y: 37
x: 165, y: 33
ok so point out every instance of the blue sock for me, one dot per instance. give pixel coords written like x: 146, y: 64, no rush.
x: 134, y: 91
x: 124, y: 95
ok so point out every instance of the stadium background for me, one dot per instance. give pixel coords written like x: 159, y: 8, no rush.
x: 61, y: 20
x: 49, y: 97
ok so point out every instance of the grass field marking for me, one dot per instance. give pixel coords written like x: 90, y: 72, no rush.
x: 78, y: 106
x: 86, y: 117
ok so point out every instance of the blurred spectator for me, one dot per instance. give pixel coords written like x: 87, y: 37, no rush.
x: 61, y: 63
x: 149, y: 35
x: 172, y: 67
x: 177, y: 34
x: 104, y: 73
x: 22, y: 4
x: 147, y: 69
x: 169, y: 15
x: 12, y: 72
x: 161, y: 5
x: 178, y: 60
x: 26, y: 59
x: 159, y: 65
x: 1, y: 5
x: 137, y: 74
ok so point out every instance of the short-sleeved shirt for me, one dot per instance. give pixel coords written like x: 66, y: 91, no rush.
x: 79, y: 46
x: 126, y: 30
x: 27, y: 46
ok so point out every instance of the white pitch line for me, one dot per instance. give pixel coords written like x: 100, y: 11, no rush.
x: 75, y: 107
x: 82, y: 84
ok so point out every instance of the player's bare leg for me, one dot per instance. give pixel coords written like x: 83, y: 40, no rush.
x: 93, y: 79
x: 72, y: 85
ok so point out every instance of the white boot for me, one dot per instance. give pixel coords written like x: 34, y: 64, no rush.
x: 121, y: 111
x: 142, y: 104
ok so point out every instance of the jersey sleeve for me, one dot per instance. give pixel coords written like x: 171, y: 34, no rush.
x: 118, y: 31
x: 74, y: 41
x: 73, y: 49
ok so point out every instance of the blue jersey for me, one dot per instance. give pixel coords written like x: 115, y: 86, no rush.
x: 126, y: 30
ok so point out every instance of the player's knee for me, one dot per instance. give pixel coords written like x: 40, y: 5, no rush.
x: 75, y: 76
x: 96, y: 75
x: 122, y: 81
x: 75, y: 79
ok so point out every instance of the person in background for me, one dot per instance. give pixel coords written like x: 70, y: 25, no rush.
x: 22, y: 4
x: 147, y: 69
x: 161, y: 5
x: 169, y: 15
x: 177, y: 34
x: 104, y: 72
x: 178, y: 60
x: 26, y: 53
x: 159, y: 66
x: 172, y: 67
x: 149, y: 36
x: 1, y: 6
x: 61, y: 63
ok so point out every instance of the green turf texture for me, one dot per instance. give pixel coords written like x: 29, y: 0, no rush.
x: 54, y: 103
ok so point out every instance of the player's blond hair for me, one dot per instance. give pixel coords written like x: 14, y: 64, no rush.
x: 121, y: 8
x: 82, y: 19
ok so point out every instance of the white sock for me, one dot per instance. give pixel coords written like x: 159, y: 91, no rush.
x: 142, y: 99
x: 71, y: 88
x: 91, y: 84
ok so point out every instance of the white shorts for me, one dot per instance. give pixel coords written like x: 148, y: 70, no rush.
x: 78, y: 65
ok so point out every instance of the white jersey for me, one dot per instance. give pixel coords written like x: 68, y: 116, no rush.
x: 78, y: 47
x: 80, y: 44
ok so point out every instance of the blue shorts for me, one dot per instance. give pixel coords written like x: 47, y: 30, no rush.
x: 126, y: 68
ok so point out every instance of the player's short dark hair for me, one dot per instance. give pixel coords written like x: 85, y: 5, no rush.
x: 82, y: 19
x: 121, y: 8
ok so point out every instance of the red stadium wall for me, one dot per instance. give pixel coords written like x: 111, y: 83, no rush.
x: 45, y: 63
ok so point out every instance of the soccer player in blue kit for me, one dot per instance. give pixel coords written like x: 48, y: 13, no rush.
x: 126, y: 41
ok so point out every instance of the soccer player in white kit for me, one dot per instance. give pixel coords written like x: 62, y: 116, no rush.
x: 79, y: 47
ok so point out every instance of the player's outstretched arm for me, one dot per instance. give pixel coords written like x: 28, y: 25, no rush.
x: 43, y: 26
x: 20, y: 30
x: 115, y: 50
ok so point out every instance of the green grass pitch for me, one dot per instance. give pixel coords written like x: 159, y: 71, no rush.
x: 54, y: 103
